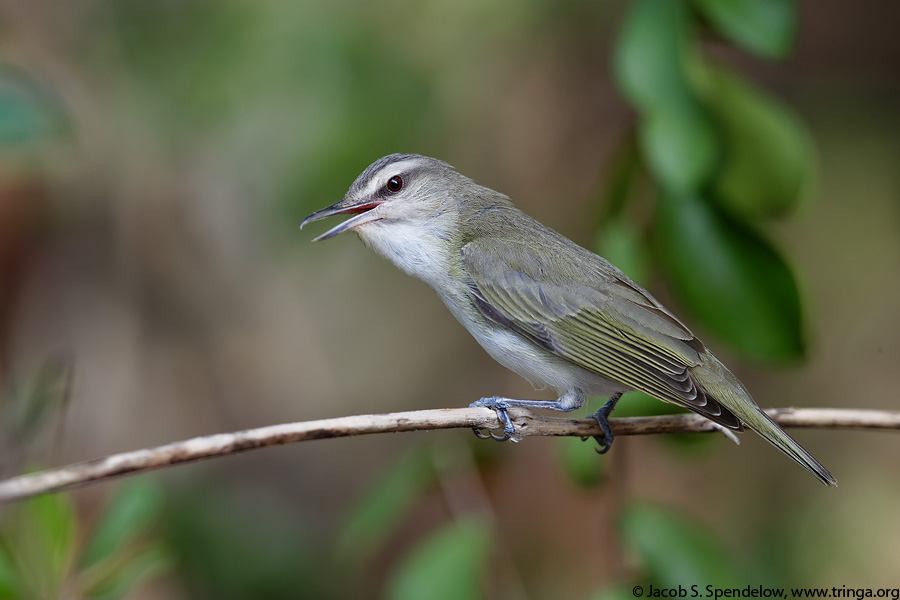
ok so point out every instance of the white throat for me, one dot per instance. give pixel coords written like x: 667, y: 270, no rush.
x: 417, y: 249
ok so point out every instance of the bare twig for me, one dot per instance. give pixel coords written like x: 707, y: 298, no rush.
x: 527, y: 424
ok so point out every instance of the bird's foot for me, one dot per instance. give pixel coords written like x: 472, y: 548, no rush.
x: 604, y: 441
x: 499, y: 405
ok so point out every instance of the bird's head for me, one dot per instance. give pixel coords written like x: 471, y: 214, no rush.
x: 403, y: 189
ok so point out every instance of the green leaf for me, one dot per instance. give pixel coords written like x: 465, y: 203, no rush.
x: 117, y: 557
x: 386, y: 503
x: 680, y: 145
x: 763, y: 27
x: 136, y: 505
x: 730, y: 278
x: 54, y: 522
x: 579, y: 461
x: 675, y: 550
x: 653, y: 57
x: 767, y: 162
x: 650, y: 52
x: 448, y: 565
x: 38, y: 542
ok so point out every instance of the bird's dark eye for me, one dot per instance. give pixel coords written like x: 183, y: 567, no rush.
x: 394, y: 184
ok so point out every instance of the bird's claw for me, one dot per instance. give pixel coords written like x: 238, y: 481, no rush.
x: 502, y: 438
x: 499, y: 406
x: 605, y: 441
x: 478, y: 433
x: 603, y: 445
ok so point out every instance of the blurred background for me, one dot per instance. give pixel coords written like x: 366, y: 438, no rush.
x: 156, y: 159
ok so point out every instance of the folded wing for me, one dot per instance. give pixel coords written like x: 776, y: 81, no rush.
x: 600, y: 321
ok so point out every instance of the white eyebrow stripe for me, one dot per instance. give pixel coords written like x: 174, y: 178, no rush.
x: 386, y: 172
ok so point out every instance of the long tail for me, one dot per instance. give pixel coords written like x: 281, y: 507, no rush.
x: 719, y: 383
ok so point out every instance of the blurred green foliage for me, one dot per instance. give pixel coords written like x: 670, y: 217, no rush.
x: 675, y: 550
x: 767, y: 158
x: 723, y: 155
x: 763, y: 27
x: 730, y: 276
x: 234, y: 542
x: 46, y: 553
x: 332, y: 84
x: 652, y: 57
x: 385, y: 505
x: 618, y: 239
x: 448, y: 565
x: 46, y: 550
x: 581, y: 465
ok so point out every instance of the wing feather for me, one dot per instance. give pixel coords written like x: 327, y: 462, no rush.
x: 609, y: 326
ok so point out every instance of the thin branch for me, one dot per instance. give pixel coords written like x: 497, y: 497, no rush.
x: 527, y: 424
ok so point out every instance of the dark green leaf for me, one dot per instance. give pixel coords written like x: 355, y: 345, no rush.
x: 675, y: 550
x: 680, y: 145
x: 652, y: 60
x: 730, y: 278
x: 764, y: 27
x: 136, y: 505
x: 385, y: 504
x: 767, y: 153
x: 650, y: 53
x: 448, y: 565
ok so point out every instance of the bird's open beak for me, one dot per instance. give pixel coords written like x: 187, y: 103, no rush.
x: 362, y: 211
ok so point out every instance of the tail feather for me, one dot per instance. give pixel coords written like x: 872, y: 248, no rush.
x: 781, y: 440
x: 722, y: 385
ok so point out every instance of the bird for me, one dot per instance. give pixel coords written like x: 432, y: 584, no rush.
x: 544, y: 307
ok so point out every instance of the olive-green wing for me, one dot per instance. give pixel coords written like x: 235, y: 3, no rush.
x: 598, y: 320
